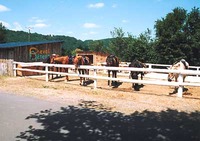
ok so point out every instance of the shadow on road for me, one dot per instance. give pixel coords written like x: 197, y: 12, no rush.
x: 85, y: 123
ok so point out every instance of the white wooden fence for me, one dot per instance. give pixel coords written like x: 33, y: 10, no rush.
x: 97, y: 76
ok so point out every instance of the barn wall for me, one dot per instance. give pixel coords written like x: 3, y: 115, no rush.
x: 39, y: 53
x: 97, y: 57
x: 6, y: 53
x: 32, y: 53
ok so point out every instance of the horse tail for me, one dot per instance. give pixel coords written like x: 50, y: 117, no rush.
x: 186, y: 65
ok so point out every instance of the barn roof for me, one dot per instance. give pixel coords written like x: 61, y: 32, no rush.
x: 20, y: 44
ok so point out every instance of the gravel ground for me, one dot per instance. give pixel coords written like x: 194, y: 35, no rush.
x: 122, y: 99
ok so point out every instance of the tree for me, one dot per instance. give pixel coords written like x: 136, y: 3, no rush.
x: 118, y: 44
x: 170, y: 36
x: 130, y: 48
x: 192, y: 30
x: 141, y: 48
x: 2, y: 33
x: 178, y: 36
x: 97, y: 46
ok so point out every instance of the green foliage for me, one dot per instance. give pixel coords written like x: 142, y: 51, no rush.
x: 118, y: 44
x: 178, y: 37
x: 2, y: 33
x: 130, y: 48
x: 97, y: 46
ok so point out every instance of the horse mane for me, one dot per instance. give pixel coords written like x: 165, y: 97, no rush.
x: 112, y: 60
x: 78, y: 60
x: 183, y: 61
x: 186, y: 65
x: 137, y: 63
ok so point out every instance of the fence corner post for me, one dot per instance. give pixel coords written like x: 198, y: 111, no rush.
x: 46, y: 73
x: 180, y: 88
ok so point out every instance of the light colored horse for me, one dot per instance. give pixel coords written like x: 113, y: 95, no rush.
x: 181, y: 65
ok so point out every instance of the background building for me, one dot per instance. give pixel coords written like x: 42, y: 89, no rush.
x: 29, y: 51
x: 96, y: 58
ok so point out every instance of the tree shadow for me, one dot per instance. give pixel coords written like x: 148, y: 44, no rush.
x: 85, y: 123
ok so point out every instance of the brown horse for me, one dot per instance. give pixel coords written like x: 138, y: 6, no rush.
x: 81, y: 60
x: 55, y: 59
x: 49, y: 59
x: 112, y: 61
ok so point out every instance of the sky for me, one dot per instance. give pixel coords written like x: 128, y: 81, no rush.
x: 87, y: 19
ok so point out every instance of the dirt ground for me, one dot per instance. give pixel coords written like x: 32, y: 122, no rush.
x: 121, y: 99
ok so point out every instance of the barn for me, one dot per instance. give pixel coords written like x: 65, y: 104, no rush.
x: 29, y: 51
x: 96, y: 58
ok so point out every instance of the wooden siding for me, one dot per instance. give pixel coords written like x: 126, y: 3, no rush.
x: 31, y: 53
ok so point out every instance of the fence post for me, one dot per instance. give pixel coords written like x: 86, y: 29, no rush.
x: 14, y: 69
x: 95, y: 80
x: 46, y: 73
x: 180, y: 88
x: 150, y: 66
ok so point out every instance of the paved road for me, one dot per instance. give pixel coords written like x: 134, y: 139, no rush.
x: 14, y: 110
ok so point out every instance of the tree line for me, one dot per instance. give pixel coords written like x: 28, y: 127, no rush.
x: 177, y: 36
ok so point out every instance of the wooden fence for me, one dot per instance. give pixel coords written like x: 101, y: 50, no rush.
x: 6, y: 67
x: 95, y: 76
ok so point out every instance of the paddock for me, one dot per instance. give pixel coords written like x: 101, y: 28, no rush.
x: 192, y: 80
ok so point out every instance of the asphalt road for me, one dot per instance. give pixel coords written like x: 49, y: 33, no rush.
x: 29, y: 119
x: 14, y: 110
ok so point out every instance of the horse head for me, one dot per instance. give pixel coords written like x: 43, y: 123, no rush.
x: 171, y: 76
x: 86, y: 60
x: 52, y: 58
x: 71, y: 59
x: 135, y: 64
x: 78, y: 60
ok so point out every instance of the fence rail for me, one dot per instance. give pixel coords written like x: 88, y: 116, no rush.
x: 97, y: 76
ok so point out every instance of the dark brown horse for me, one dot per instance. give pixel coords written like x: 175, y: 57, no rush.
x: 81, y: 60
x: 134, y: 74
x: 55, y: 59
x: 112, y: 61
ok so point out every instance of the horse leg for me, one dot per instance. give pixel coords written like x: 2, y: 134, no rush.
x: 87, y: 72
x: 57, y: 70
x: 67, y: 78
x: 108, y: 76
x: 84, y: 71
x: 176, y: 80
x: 142, y: 74
x: 135, y: 85
x: 115, y: 76
x: 79, y: 71
x: 112, y: 82
x: 52, y: 74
